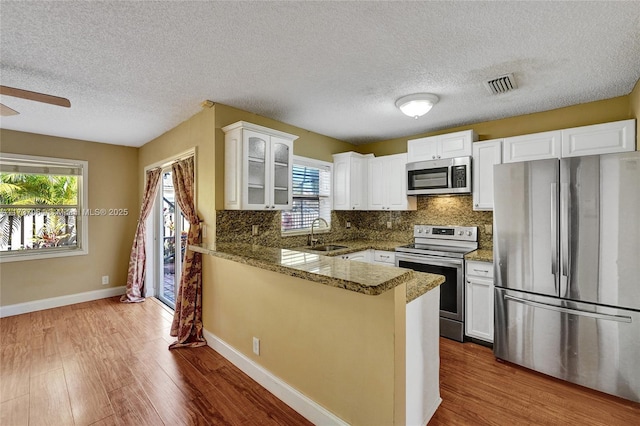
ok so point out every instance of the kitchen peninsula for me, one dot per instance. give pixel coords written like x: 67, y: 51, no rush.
x: 359, y: 340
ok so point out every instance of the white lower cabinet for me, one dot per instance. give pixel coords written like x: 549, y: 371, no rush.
x: 479, y: 300
x: 360, y: 256
x: 386, y: 258
x: 376, y: 257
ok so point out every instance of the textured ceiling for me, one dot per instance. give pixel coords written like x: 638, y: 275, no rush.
x: 134, y: 70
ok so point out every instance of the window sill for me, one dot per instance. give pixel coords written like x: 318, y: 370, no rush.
x: 5, y: 258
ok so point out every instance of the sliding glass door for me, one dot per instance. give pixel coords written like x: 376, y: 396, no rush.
x: 172, y: 229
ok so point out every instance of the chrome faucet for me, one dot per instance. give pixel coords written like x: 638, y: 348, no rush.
x: 313, y: 241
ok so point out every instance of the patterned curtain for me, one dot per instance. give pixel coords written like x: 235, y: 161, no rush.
x: 187, y: 319
x: 137, y: 261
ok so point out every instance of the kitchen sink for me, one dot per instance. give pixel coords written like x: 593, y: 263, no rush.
x: 328, y: 247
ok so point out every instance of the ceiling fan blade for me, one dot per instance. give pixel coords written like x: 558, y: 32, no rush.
x: 6, y: 111
x: 34, y: 96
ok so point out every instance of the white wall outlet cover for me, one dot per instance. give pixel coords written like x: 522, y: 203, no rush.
x: 255, y: 229
x: 389, y: 224
x: 105, y: 279
x: 256, y: 346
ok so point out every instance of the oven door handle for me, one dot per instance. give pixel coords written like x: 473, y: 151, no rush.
x: 428, y: 260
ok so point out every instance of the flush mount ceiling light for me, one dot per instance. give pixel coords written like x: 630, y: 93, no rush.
x: 416, y: 105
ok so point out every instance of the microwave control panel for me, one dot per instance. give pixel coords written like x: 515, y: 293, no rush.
x: 459, y: 176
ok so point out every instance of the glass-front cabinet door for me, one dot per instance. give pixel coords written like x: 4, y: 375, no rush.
x: 282, y: 155
x: 268, y: 166
x: 257, y: 169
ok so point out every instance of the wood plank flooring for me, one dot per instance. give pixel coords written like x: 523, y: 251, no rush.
x: 107, y: 363
x: 478, y: 390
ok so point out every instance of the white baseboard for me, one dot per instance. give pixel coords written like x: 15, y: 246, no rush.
x: 432, y: 411
x: 55, y: 302
x: 304, y: 405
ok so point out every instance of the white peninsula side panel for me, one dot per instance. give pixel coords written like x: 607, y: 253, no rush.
x: 423, y: 358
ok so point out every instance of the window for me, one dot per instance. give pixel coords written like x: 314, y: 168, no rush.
x: 41, y: 207
x: 311, y: 197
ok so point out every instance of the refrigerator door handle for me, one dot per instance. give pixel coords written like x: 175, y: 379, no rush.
x: 618, y: 318
x: 564, y: 239
x: 554, y: 232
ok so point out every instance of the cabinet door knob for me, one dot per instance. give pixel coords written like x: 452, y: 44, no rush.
x: 433, y: 157
x: 476, y: 204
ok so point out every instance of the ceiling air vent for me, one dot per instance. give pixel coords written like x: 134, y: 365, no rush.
x: 502, y: 84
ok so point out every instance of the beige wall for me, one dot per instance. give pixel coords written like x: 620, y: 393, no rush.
x: 335, y: 346
x: 196, y: 132
x: 577, y: 115
x: 634, y: 104
x: 113, y: 182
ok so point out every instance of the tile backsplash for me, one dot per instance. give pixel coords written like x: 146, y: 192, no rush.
x: 235, y: 225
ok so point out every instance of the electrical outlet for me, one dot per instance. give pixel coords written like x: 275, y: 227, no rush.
x: 105, y: 279
x: 389, y: 224
x: 256, y: 346
x: 488, y: 229
x: 204, y: 230
x: 348, y: 225
x: 255, y: 229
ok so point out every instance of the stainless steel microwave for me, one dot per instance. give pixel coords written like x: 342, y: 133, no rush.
x: 432, y: 177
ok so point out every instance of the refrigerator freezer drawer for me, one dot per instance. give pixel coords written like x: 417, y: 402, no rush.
x: 591, y: 345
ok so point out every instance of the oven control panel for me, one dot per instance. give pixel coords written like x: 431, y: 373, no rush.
x: 459, y: 233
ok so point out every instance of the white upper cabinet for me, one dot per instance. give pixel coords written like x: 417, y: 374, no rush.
x: 606, y: 138
x: 258, y: 167
x: 537, y: 146
x: 485, y: 155
x: 387, y: 184
x: 450, y: 145
x: 350, y: 181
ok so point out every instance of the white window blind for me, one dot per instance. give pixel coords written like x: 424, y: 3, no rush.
x: 311, y: 196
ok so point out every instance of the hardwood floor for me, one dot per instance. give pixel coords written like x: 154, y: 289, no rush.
x: 478, y: 390
x: 107, y: 363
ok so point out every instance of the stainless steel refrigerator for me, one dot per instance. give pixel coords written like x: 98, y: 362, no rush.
x: 567, y: 268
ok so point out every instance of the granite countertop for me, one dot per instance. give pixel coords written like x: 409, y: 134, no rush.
x: 481, y: 255
x: 360, y: 277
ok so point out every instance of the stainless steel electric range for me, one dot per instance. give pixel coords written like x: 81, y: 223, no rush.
x: 440, y: 250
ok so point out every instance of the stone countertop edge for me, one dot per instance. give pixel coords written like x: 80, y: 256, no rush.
x: 481, y: 255
x: 418, y: 283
